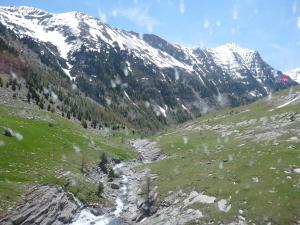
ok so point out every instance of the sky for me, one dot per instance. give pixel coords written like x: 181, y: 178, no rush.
x: 270, y: 26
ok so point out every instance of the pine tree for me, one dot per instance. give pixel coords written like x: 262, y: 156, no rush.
x: 68, y: 115
x: 103, y: 162
x: 41, y: 104
x: 84, y: 124
x: 28, y: 97
x: 13, y: 87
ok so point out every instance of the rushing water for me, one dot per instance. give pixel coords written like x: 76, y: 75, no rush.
x: 86, y: 217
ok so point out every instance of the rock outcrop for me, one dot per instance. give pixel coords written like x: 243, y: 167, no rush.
x: 44, y: 205
x: 148, y: 151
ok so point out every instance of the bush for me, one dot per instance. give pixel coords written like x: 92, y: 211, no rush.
x: 100, y: 189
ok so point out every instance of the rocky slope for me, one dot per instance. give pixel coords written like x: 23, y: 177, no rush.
x: 143, y: 77
x: 44, y: 205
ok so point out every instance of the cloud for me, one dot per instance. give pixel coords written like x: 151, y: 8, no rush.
x: 102, y: 16
x: 235, y: 13
x: 218, y: 23
x: 206, y: 24
x: 294, y: 7
x: 138, y: 16
x: 181, y: 6
x: 298, y: 22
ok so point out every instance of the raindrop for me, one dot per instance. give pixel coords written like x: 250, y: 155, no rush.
x: 73, y: 181
x: 269, y: 96
x: 19, y: 136
x: 14, y: 76
x: 176, y: 170
x: 176, y: 73
x: 63, y: 157
x: 113, y: 84
x: 226, y: 139
x: 185, y: 140
x: 221, y: 166
x: 118, y: 81
x: 205, y: 149
x: 108, y: 101
x: 125, y: 71
x: 54, y: 96
x: 147, y: 104
x: 76, y: 148
x: 74, y: 87
x: 251, y: 163
x: 45, y: 90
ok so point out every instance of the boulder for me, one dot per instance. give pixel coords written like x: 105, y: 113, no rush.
x: 114, y: 186
x: 8, y: 132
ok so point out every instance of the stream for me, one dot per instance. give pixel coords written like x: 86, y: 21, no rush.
x: 86, y: 217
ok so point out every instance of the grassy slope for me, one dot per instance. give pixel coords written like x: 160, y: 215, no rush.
x: 227, y: 167
x: 45, y: 151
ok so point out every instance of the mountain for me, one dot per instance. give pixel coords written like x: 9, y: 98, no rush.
x: 144, y: 78
x: 294, y: 74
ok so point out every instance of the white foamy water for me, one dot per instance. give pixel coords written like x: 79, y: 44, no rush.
x: 86, y: 217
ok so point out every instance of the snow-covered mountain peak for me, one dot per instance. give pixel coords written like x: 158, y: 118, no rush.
x: 233, y: 48
x: 75, y: 32
x: 234, y: 58
x: 69, y: 31
x: 24, y: 10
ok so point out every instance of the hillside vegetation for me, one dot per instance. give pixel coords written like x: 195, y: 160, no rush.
x: 49, y: 149
x: 247, y: 155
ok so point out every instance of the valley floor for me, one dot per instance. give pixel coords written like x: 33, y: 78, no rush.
x: 236, y: 166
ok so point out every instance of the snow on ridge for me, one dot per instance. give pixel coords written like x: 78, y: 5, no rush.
x: 34, y: 29
x: 24, y: 10
x: 232, y: 58
x: 87, y: 30
x: 230, y: 53
x: 52, y: 28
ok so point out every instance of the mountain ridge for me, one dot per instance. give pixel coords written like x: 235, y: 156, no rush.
x: 142, y: 76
